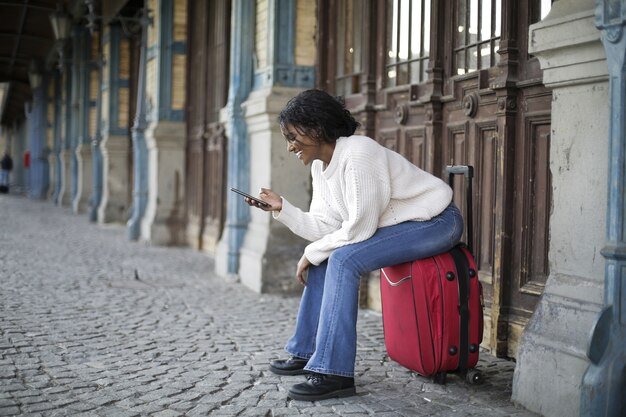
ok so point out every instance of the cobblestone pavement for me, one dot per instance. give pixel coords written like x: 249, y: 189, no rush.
x: 92, y: 324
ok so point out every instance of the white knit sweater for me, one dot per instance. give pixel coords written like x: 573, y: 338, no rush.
x: 365, y: 186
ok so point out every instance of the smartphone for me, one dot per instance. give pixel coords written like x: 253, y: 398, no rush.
x: 261, y: 202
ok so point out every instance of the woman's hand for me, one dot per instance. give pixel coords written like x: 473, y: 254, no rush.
x: 303, y: 265
x: 270, y: 197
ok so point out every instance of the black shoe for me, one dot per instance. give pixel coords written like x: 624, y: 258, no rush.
x: 322, y: 386
x: 292, y: 366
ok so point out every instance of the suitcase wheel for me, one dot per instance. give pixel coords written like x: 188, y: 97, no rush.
x: 440, y: 378
x: 473, y: 377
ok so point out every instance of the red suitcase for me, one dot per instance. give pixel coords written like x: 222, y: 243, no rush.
x: 432, y: 308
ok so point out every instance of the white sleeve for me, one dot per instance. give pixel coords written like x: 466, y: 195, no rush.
x: 319, y: 221
x: 312, y: 225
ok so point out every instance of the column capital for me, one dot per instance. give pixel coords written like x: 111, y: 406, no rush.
x: 568, y: 45
x: 611, y: 17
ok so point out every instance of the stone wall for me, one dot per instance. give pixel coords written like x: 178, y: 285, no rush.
x: 552, y: 356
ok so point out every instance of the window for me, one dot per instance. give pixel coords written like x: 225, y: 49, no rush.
x: 408, y: 42
x: 349, y: 47
x: 477, y: 36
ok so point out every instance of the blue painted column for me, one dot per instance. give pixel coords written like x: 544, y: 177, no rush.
x: 65, y: 196
x: 166, y: 54
x: 268, y: 255
x: 44, y: 160
x: 140, y: 150
x: 283, y: 70
x: 96, y: 152
x: 603, y: 391
x: 30, y: 115
x: 241, y: 78
x: 19, y: 144
x: 83, y: 143
x: 75, y: 113
x: 37, y: 142
x: 57, y: 143
x: 163, y: 219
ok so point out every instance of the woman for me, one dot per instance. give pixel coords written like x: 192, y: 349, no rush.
x: 371, y: 208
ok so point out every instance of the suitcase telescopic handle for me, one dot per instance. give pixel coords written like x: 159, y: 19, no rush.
x: 468, y: 172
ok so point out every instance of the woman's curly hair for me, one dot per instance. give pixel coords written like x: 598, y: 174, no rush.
x: 319, y: 115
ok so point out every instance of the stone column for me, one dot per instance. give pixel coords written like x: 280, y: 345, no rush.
x: 52, y: 171
x: 241, y: 72
x: 603, y: 390
x: 38, y: 171
x: 84, y: 178
x: 95, y: 123
x: 140, y: 152
x: 18, y: 147
x: 115, y: 144
x: 114, y: 203
x: 164, y: 222
x: 63, y: 197
x: 74, y: 121
x: 270, y: 250
x: 84, y: 157
x: 56, y: 168
x: 551, y: 358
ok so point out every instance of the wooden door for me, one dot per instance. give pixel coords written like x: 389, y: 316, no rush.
x: 450, y: 82
x: 496, y: 116
x: 209, y: 24
x: 529, y: 175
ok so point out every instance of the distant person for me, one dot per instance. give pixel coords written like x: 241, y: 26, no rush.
x: 6, y: 165
x: 26, y: 164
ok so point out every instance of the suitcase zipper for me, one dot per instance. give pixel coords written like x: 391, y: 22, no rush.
x: 394, y: 284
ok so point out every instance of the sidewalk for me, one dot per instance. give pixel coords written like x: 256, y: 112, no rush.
x: 92, y: 324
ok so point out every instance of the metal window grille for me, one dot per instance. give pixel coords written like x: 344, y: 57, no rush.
x: 408, y: 42
x: 477, y: 34
x: 349, y: 29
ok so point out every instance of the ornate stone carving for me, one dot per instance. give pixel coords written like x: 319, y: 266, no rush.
x: 470, y: 104
x: 215, y: 135
x: 401, y: 113
x: 613, y: 33
x: 507, y: 103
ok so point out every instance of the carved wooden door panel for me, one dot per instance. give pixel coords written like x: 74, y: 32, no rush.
x: 470, y: 132
x: 450, y: 82
x: 494, y: 114
x: 206, y: 142
x: 490, y: 111
x: 526, y: 274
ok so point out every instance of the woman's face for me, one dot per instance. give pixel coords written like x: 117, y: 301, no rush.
x: 303, y: 146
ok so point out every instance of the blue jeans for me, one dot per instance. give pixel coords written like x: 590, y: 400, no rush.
x: 4, y: 177
x: 326, y: 324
